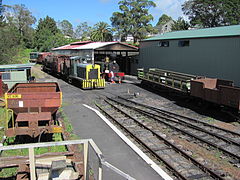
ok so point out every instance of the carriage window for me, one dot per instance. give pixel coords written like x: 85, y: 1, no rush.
x: 6, y: 76
x: 183, y: 43
x: 163, y: 44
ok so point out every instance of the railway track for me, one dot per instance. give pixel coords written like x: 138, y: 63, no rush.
x: 213, y: 136
x: 152, y: 141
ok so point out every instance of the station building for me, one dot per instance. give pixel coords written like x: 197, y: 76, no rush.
x: 211, y: 52
x: 124, y: 54
x: 16, y: 73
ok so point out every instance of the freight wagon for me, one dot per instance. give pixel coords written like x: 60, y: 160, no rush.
x: 218, y: 91
x: 42, y: 56
x: 32, y: 108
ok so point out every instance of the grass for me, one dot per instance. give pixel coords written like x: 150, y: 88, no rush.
x: 69, y: 129
x: 22, y: 56
x: 35, y: 71
x: 8, y: 172
x: 2, y: 123
x: 209, y: 120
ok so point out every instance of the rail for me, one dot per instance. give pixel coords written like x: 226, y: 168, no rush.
x: 86, y: 144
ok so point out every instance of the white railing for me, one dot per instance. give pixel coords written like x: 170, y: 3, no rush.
x: 86, y: 144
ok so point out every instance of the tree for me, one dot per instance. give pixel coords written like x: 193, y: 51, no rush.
x: 101, y: 32
x: 45, y: 31
x: 83, y: 31
x: 118, y: 24
x: 47, y: 23
x: 134, y: 18
x: 66, y: 28
x: 10, y: 42
x: 164, y: 19
x: 53, y: 41
x: 180, y: 24
x: 10, y: 39
x: 212, y: 13
x: 20, y: 17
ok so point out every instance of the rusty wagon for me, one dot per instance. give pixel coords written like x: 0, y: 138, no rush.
x: 217, y: 91
x: 31, y: 109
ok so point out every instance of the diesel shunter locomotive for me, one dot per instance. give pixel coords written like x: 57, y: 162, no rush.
x: 76, y: 69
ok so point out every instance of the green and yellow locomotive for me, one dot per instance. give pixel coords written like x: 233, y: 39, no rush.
x: 75, y: 69
x: 87, y: 74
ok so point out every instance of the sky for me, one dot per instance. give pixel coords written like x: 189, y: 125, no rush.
x: 91, y: 11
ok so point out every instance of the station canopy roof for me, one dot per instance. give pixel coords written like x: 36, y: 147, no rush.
x: 103, y: 46
x: 224, y: 31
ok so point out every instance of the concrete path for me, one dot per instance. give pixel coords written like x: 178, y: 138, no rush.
x: 87, y: 124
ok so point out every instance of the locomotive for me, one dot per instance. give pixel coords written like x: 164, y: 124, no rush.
x: 75, y: 68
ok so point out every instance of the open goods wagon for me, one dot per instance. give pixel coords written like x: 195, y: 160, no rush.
x: 31, y: 109
x: 218, y: 91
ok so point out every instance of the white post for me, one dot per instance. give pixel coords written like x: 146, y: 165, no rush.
x: 86, y: 176
x: 32, y: 163
x: 100, y: 170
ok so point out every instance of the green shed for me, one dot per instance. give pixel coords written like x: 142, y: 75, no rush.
x: 211, y: 52
x: 16, y: 73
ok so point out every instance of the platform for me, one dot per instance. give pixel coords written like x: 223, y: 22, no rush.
x: 87, y: 124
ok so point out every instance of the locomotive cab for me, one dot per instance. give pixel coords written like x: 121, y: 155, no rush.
x: 87, y: 74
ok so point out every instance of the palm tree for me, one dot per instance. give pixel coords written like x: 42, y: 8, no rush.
x: 101, y: 32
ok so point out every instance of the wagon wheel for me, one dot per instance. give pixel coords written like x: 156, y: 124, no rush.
x: 70, y: 80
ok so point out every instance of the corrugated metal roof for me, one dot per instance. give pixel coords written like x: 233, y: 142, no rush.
x: 200, y: 33
x: 69, y: 46
x: 25, y: 66
x: 80, y: 42
x: 94, y: 45
x: 90, y: 45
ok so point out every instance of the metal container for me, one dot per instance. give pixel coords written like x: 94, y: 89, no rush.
x: 33, y: 107
x: 218, y: 91
x: 230, y: 96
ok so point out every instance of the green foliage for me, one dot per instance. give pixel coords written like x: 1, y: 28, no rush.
x: 10, y: 42
x: 49, y: 24
x: 134, y: 18
x: 48, y: 36
x: 101, y: 32
x: 212, y: 13
x: 118, y: 24
x: 8, y: 172
x: 180, y: 24
x: 22, y: 19
x: 22, y: 55
x: 66, y: 28
x: 164, y: 19
x: 2, y: 123
x: 83, y: 31
x: 16, y: 34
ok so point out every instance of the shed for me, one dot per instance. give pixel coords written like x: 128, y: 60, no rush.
x: 123, y: 53
x: 16, y: 73
x: 211, y: 52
